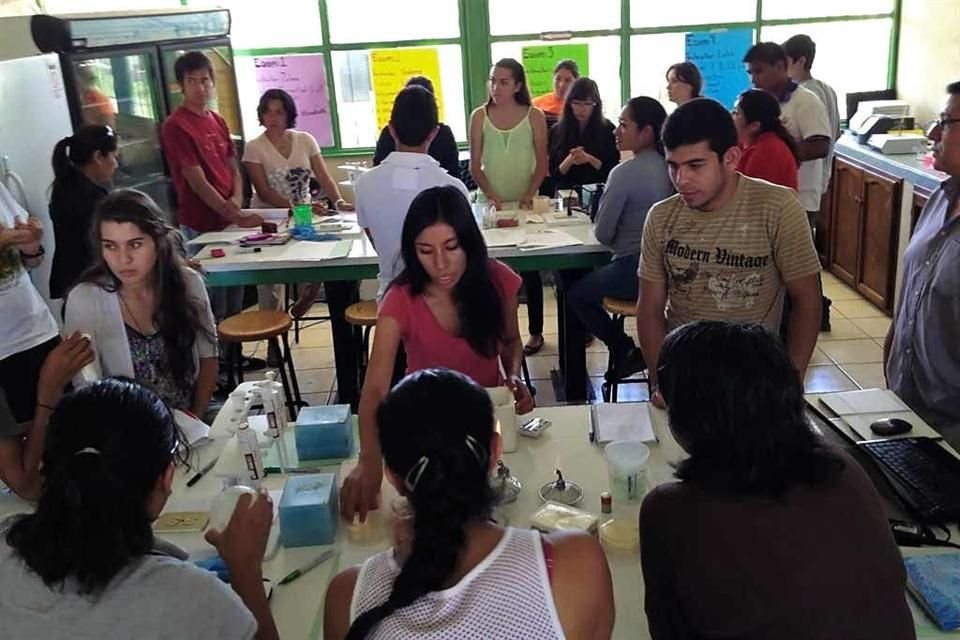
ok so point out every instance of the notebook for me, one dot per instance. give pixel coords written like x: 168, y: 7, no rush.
x: 934, y: 581
x: 615, y: 421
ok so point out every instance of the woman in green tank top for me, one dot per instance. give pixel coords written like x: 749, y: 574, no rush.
x: 508, y: 139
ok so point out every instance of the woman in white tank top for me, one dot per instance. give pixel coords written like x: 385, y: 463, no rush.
x: 459, y: 575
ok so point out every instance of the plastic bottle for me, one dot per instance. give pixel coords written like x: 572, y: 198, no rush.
x: 250, y: 453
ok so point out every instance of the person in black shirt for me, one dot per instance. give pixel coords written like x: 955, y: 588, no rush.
x: 443, y: 149
x: 582, y: 146
x: 83, y: 164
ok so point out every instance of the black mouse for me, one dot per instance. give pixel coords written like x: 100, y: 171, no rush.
x: 890, y: 426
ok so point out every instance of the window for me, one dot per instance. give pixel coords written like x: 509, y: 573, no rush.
x: 792, y: 9
x: 835, y: 63
x: 602, y: 51
x: 665, y: 13
x: 357, y: 104
x: 297, y: 25
x: 509, y: 17
x: 390, y: 20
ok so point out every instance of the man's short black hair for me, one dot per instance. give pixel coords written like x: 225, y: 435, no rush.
x: 801, y: 46
x: 698, y: 120
x: 954, y: 88
x: 414, y: 115
x: 289, y: 106
x: 769, y: 52
x: 189, y: 62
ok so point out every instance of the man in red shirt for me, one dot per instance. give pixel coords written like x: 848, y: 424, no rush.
x: 202, y: 159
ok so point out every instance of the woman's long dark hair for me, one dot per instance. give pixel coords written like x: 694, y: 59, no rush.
x: 520, y: 77
x: 567, y: 133
x: 647, y: 111
x: 758, y: 106
x: 736, y: 406
x: 107, y: 444
x: 479, y: 306
x: 445, y: 466
x: 177, y: 317
x: 74, y: 151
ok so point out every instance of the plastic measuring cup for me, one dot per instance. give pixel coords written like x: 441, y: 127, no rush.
x: 627, y: 469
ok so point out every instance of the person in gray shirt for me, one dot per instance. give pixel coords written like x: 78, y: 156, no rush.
x: 921, y: 353
x: 85, y: 564
x: 632, y: 188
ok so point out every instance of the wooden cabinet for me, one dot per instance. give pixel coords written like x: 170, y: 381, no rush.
x: 865, y: 227
x: 824, y: 225
x: 920, y: 198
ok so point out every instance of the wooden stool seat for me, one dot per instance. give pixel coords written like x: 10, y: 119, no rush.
x: 362, y: 314
x: 253, y: 326
x: 616, y: 306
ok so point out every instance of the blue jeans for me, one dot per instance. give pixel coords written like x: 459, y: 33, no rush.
x: 224, y: 301
x: 585, y: 297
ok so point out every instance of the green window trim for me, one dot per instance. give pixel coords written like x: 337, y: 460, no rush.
x: 475, y: 41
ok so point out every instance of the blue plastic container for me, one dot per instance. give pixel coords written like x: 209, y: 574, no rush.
x: 324, y: 432
x: 308, y: 510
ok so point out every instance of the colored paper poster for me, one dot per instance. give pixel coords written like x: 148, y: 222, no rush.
x: 719, y: 56
x: 304, y: 77
x: 538, y: 62
x: 391, y: 68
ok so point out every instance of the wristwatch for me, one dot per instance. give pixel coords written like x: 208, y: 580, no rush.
x: 30, y: 256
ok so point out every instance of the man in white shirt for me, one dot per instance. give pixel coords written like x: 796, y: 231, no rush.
x: 801, y: 50
x: 384, y: 194
x: 805, y: 117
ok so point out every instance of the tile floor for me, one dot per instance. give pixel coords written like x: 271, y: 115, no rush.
x: 849, y: 357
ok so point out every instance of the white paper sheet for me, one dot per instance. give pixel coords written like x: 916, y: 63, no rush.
x: 226, y: 236
x: 193, y: 429
x: 866, y: 401
x: 623, y: 421
x: 548, y: 239
x: 505, y: 237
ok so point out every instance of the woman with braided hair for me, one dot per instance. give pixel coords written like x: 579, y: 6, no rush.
x: 457, y: 574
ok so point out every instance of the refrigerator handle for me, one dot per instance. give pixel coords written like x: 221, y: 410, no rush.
x: 9, y: 177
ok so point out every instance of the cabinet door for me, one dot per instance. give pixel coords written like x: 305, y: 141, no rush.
x: 845, y: 231
x: 822, y: 238
x: 919, y: 202
x: 878, y: 240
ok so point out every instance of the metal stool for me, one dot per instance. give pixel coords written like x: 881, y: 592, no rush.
x: 271, y: 326
x: 620, y: 310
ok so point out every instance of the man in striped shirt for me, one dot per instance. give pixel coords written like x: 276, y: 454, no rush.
x: 725, y: 247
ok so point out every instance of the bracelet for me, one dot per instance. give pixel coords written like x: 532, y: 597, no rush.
x: 29, y: 256
x: 44, y: 406
x: 339, y: 200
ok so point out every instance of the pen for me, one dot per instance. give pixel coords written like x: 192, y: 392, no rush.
x: 294, y: 470
x: 203, y: 471
x: 313, y: 564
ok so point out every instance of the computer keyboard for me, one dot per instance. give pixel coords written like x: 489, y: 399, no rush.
x: 925, y: 475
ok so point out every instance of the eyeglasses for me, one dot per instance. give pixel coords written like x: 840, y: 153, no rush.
x: 943, y: 122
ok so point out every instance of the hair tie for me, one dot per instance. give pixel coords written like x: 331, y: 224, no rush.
x: 412, y: 478
x: 90, y: 450
x: 476, y: 450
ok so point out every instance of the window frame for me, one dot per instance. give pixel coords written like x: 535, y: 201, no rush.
x: 475, y: 46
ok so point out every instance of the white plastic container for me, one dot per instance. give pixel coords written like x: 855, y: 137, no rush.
x: 222, y: 507
x: 627, y: 469
x: 506, y: 416
x: 249, y: 450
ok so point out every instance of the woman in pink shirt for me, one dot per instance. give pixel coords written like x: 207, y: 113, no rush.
x: 452, y: 307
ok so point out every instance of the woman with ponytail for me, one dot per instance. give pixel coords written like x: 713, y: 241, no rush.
x: 632, y: 188
x: 146, y: 310
x: 85, y: 564
x: 769, y: 151
x: 460, y: 575
x: 83, y: 165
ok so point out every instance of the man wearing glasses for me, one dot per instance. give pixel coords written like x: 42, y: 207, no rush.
x: 921, y: 353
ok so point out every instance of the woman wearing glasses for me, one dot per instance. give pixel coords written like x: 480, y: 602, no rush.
x: 83, y: 166
x: 79, y: 565
x: 146, y: 310
x: 582, y: 146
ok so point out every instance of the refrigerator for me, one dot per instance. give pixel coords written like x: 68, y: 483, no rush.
x: 34, y: 116
x: 117, y: 69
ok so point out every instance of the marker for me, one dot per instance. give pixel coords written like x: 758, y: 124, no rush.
x: 294, y: 470
x: 313, y: 564
x: 199, y: 474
